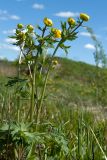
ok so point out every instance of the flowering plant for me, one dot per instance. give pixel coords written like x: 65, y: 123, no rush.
x: 33, y: 53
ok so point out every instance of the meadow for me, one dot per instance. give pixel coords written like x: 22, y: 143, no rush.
x: 73, y: 124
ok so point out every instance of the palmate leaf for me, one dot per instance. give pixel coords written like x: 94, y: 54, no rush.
x: 21, y: 131
x: 23, y: 92
x: 13, y: 37
x: 64, y: 29
x: 65, y: 48
x: 72, y: 36
x: 14, y: 80
x: 38, y: 27
x: 63, y: 25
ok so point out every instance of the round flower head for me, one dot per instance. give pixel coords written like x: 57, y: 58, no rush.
x: 56, y: 32
x: 48, y: 22
x: 84, y: 17
x: 20, y: 26
x: 55, y: 62
x: 71, y: 21
x: 30, y: 28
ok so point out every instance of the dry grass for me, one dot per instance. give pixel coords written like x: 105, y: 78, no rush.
x: 7, y: 69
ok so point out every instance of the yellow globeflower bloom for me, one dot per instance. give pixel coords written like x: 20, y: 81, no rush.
x: 48, y: 22
x: 84, y: 17
x: 56, y: 32
x: 71, y: 21
x: 55, y: 62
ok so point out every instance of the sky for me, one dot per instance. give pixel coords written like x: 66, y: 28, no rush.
x: 33, y: 12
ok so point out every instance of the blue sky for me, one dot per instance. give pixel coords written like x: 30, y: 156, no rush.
x: 33, y: 12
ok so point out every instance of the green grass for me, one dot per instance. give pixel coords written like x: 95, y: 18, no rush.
x: 73, y: 125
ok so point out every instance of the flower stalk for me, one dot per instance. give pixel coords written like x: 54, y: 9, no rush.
x: 32, y: 53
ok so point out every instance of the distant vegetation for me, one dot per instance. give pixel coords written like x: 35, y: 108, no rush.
x: 7, y: 68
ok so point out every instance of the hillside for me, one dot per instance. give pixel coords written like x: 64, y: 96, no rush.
x: 71, y: 82
x: 80, y: 83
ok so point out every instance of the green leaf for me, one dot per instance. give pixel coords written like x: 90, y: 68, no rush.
x: 38, y: 27
x: 14, y: 80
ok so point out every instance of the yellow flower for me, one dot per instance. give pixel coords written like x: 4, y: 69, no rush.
x: 48, y: 22
x: 84, y: 17
x: 71, y: 21
x: 56, y: 32
x: 54, y: 62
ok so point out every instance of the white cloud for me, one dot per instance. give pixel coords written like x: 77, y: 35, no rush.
x: 67, y: 14
x: 14, y: 48
x: 4, y: 15
x: 14, y: 17
x: 7, y: 46
x: 10, y: 40
x: 9, y: 31
x: 38, y: 6
x: 86, y: 34
x: 89, y: 46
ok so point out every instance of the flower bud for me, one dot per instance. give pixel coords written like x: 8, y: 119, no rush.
x: 48, y: 22
x: 30, y: 28
x: 71, y: 21
x: 18, y: 31
x: 84, y: 17
x: 20, y: 26
x: 53, y: 30
x: 21, y: 36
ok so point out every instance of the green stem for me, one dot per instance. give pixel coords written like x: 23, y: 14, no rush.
x: 32, y: 96
x: 46, y: 78
x: 76, y: 27
x: 34, y: 83
x: 45, y: 83
x: 18, y: 96
x: 105, y: 157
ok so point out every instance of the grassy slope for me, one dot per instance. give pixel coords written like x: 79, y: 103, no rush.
x: 71, y: 82
x: 76, y: 82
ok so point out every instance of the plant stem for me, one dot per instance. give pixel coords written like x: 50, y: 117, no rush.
x: 105, y: 157
x: 76, y: 27
x: 46, y: 78
x: 32, y: 96
x: 18, y: 96
x: 34, y: 83
x: 45, y: 83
